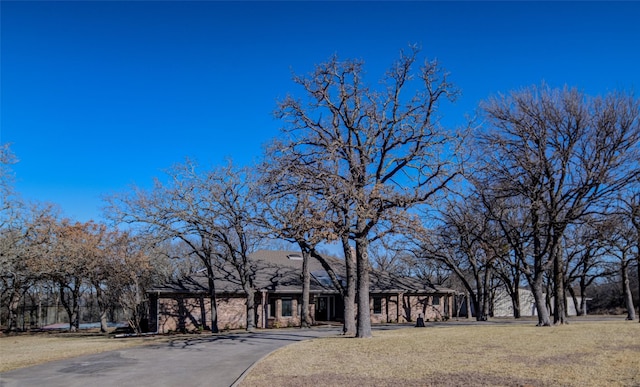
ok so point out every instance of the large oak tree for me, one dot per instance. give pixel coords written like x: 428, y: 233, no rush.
x: 370, y: 149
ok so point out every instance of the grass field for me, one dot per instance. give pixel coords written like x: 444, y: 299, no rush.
x: 580, y: 354
x: 605, y: 353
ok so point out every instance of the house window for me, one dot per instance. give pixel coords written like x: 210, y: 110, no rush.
x: 377, y: 305
x: 287, y: 307
x: 272, y: 307
x: 436, y: 300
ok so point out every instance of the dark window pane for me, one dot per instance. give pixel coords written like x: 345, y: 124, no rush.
x: 377, y: 305
x: 287, y: 308
x: 272, y: 307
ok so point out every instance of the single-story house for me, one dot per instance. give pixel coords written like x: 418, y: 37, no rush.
x: 277, y: 275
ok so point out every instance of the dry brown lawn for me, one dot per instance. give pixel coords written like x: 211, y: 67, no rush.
x: 17, y: 351
x: 580, y: 354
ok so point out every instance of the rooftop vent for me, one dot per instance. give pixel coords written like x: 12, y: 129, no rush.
x: 295, y: 257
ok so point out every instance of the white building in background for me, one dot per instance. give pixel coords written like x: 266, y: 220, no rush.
x: 502, y: 306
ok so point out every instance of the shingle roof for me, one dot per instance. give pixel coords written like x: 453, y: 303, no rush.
x: 276, y: 271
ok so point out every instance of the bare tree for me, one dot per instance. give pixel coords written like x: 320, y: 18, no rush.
x: 7, y: 199
x: 98, y: 270
x: 25, y: 238
x: 305, y: 215
x: 292, y: 185
x: 585, y: 251
x: 630, y: 213
x: 72, y: 254
x: 235, y: 203
x: 507, y: 269
x: 620, y: 237
x: 120, y: 275
x: 565, y: 155
x: 370, y: 151
x: 177, y: 210
x: 13, y: 230
x: 387, y: 254
x: 134, y: 270
x: 634, y: 212
x: 298, y: 219
x: 211, y: 212
x: 462, y: 242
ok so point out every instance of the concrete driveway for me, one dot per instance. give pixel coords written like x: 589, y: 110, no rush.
x: 215, y: 360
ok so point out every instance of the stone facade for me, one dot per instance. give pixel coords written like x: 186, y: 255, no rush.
x: 280, y: 311
x: 192, y: 314
x: 384, y: 308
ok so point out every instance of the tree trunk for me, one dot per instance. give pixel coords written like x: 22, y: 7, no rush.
x: 583, y: 304
x: 536, y: 279
x: 486, y: 294
x: 559, y: 299
x: 305, y: 318
x: 14, y: 302
x: 631, y: 312
x: 578, y: 305
x: 138, y: 305
x: 70, y: 308
x: 349, y: 297
x: 468, y: 302
x: 76, y: 308
x: 213, y: 300
x: 102, y: 306
x: 583, y: 295
x: 515, y: 302
x: 478, y: 300
x: 541, y: 308
x: 251, y: 304
x: 103, y: 320
x: 40, y: 324
x: 363, y: 329
x: 477, y: 306
x: 247, y: 286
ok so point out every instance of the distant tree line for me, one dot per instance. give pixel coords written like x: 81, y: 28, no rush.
x: 541, y: 190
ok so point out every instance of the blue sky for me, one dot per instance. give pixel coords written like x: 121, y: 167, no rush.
x: 96, y: 96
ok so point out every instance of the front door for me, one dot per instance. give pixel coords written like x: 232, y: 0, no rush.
x: 322, y: 309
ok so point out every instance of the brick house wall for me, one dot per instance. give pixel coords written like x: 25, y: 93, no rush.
x: 272, y: 313
x: 277, y: 319
x: 192, y: 314
x: 385, y: 308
